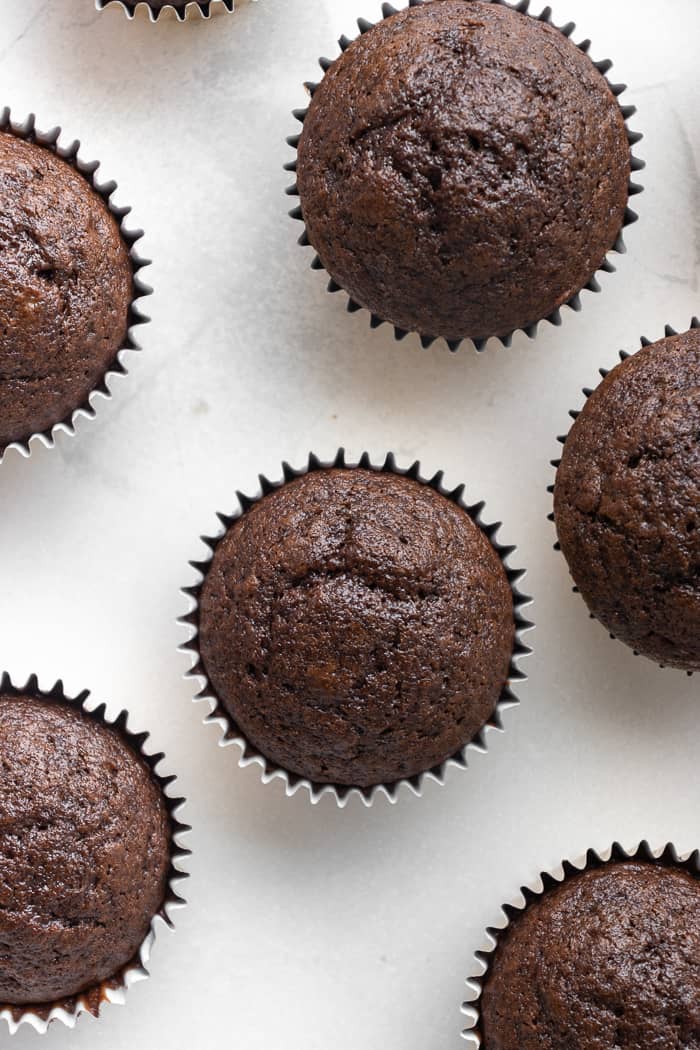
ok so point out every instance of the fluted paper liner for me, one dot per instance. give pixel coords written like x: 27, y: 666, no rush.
x: 576, y: 412
x: 113, y: 989
x: 69, y: 152
x: 574, y: 301
x: 230, y: 732
x: 194, y: 10
x: 665, y: 855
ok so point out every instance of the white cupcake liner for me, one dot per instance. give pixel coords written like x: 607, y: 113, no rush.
x: 195, y: 10
x: 230, y: 732
x: 666, y: 855
x: 69, y: 152
x: 561, y: 438
x: 113, y: 989
x: 574, y: 301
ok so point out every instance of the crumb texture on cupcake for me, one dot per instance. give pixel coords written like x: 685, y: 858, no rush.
x: 357, y: 625
x: 84, y: 851
x: 463, y: 169
x: 609, y: 959
x: 627, y: 501
x: 65, y: 289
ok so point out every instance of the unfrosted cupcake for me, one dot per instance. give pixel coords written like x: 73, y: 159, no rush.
x: 463, y: 170
x: 182, y: 8
x: 356, y: 626
x: 66, y: 289
x: 608, y: 959
x: 85, y: 854
x: 627, y: 501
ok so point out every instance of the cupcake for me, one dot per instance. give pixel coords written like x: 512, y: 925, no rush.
x: 85, y: 853
x: 66, y: 285
x: 463, y: 170
x: 183, y: 9
x: 608, y: 958
x: 627, y: 501
x: 356, y: 626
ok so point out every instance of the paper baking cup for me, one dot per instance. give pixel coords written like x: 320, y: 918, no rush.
x: 231, y: 733
x: 574, y: 302
x: 666, y: 855
x: 113, y: 989
x: 575, y: 413
x: 51, y: 140
x: 193, y: 11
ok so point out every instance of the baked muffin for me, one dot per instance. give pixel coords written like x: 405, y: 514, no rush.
x: 627, y: 501
x: 66, y: 285
x: 608, y: 959
x: 463, y: 169
x: 357, y: 626
x: 84, y: 851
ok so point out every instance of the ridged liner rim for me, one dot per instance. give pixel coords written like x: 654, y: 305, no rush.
x: 574, y: 301
x: 50, y: 140
x: 669, y: 332
x: 230, y: 733
x: 663, y: 856
x: 194, y: 10
x: 114, y: 989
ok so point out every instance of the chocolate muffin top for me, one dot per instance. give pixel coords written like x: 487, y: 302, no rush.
x: 627, y: 501
x: 357, y: 625
x: 65, y: 289
x: 463, y: 169
x: 608, y: 959
x: 84, y: 851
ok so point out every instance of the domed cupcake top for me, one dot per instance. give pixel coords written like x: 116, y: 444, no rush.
x: 463, y: 169
x: 66, y: 285
x: 84, y: 851
x: 627, y: 501
x: 357, y: 626
x: 608, y: 959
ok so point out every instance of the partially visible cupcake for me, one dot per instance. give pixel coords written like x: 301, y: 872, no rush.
x: 463, y: 170
x: 356, y: 626
x: 627, y: 501
x: 66, y: 288
x: 609, y: 958
x: 182, y: 8
x: 85, y: 854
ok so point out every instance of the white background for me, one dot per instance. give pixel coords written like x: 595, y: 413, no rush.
x: 311, y: 928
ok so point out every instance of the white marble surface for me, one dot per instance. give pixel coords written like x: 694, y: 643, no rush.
x: 310, y: 928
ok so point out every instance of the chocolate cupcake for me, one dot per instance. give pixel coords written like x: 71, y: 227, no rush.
x: 463, y: 169
x: 627, y: 501
x: 67, y: 284
x: 86, y: 854
x: 356, y: 626
x: 610, y: 957
x: 183, y: 9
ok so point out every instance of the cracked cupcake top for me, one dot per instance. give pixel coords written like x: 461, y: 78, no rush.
x: 608, y: 959
x: 463, y: 169
x: 627, y: 501
x: 357, y: 625
x: 65, y: 289
x: 84, y: 851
